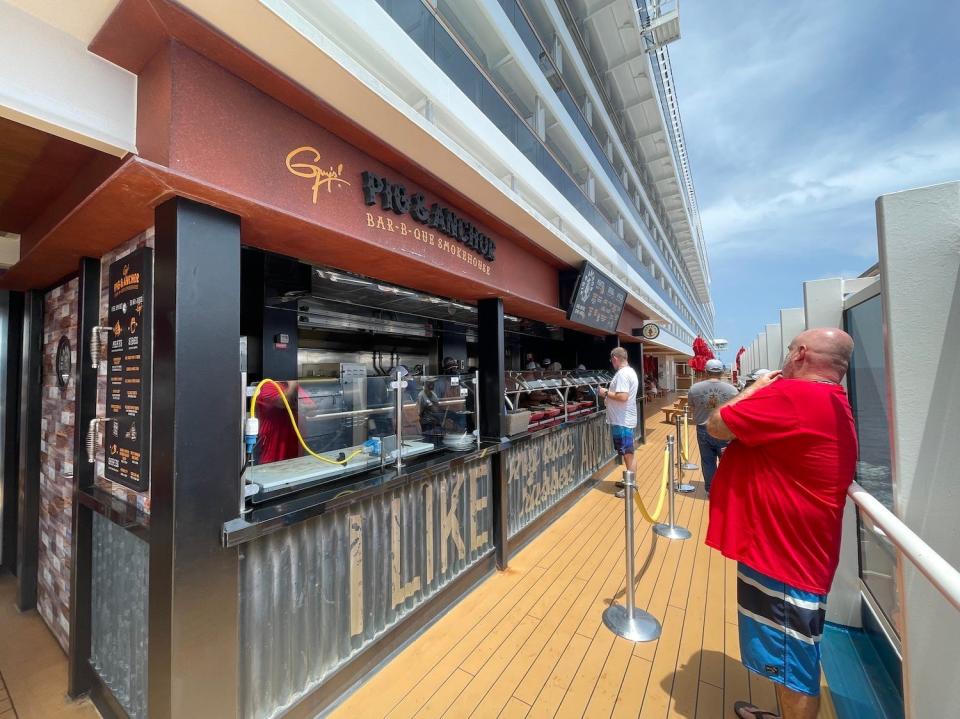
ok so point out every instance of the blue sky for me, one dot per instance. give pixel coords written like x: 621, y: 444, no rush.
x: 796, y: 117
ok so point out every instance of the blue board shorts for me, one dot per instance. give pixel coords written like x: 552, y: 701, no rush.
x: 780, y: 629
x: 622, y: 439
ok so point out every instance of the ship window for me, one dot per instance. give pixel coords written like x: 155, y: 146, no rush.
x: 868, y: 397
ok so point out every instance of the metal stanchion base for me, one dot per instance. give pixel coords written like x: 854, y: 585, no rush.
x: 684, y: 488
x: 665, y: 530
x: 689, y: 467
x: 643, y: 627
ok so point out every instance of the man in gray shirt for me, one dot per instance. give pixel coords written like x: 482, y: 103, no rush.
x: 703, y: 398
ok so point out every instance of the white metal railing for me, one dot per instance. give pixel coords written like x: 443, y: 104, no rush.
x: 934, y: 567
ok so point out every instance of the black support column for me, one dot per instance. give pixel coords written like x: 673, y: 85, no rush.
x: 80, y: 679
x: 31, y: 396
x: 193, y: 658
x: 10, y: 414
x: 635, y: 355
x: 266, y: 277
x: 492, y: 415
x: 490, y: 341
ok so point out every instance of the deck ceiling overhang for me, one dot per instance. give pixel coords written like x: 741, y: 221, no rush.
x: 241, y: 170
x: 618, y: 50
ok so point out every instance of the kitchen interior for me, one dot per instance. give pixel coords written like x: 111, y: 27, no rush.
x: 341, y: 370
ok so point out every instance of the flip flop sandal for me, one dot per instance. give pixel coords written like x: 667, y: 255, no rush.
x: 757, y: 713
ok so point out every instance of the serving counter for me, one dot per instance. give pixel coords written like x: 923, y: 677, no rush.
x: 544, y: 467
x: 333, y: 580
x: 316, y: 594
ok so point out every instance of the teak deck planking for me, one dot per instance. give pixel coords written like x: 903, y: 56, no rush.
x: 530, y: 641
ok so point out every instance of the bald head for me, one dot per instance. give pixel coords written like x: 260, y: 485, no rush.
x: 822, y: 353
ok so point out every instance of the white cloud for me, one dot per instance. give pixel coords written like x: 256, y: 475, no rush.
x: 845, y: 174
x: 797, y: 116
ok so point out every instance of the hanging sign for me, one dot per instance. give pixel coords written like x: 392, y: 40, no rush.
x: 651, y: 331
x: 597, y: 300
x: 127, y: 440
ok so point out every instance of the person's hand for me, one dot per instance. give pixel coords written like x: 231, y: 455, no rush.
x: 766, y: 380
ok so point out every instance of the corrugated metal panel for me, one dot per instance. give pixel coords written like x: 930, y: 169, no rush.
x: 543, y: 470
x: 119, y: 614
x: 315, y: 594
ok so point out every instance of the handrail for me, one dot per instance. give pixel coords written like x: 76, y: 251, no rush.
x: 934, y: 567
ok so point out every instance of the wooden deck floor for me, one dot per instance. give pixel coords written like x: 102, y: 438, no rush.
x: 530, y: 642
x: 33, y: 667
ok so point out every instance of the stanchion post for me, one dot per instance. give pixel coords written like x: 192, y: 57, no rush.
x: 679, y: 465
x: 628, y: 621
x: 671, y: 530
x: 686, y: 464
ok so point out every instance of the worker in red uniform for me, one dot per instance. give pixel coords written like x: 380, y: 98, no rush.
x: 277, y: 439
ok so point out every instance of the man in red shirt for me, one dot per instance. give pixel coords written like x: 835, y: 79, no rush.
x: 776, y: 507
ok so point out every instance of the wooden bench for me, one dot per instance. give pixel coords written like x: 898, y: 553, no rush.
x: 670, y: 414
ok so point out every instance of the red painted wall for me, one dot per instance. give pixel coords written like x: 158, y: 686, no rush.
x: 225, y: 132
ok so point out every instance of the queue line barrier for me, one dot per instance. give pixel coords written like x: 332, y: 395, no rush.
x: 627, y: 620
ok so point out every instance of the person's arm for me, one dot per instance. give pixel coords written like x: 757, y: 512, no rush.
x: 716, y: 427
x: 616, y: 396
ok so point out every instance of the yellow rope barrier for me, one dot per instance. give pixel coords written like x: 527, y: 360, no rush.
x: 686, y: 439
x: 293, y: 422
x: 663, y: 492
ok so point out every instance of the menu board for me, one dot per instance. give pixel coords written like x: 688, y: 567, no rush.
x: 597, y: 300
x: 127, y: 440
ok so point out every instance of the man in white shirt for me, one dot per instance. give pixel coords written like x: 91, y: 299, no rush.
x: 621, y: 401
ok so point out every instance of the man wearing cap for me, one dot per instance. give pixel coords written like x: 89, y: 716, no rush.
x: 704, y: 397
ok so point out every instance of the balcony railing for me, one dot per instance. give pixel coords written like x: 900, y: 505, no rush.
x: 534, y: 43
x: 440, y: 42
x: 938, y: 571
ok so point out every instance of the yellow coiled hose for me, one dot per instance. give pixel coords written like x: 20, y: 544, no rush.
x: 663, y: 492
x: 293, y: 422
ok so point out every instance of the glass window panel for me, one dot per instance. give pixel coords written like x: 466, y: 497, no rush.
x: 415, y: 19
x: 878, y: 569
x: 348, y: 425
x: 451, y: 11
x: 526, y: 142
x: 494, y: 107
x: 455, y: 63
x: 438, y: 411
x: 868, y: 398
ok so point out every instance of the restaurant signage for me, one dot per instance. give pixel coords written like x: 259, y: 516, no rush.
x: 650, y: 331
x: 128, y: 370
x: 597, y: 301
x: 322, y: 177
x: 542, y: 470
x: 394, y: 198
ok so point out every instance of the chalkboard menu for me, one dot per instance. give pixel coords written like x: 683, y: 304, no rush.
x: 597, y: 300
x: 127, y: 440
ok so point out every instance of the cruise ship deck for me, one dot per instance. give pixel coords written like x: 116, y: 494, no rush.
x: 530, y: 641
